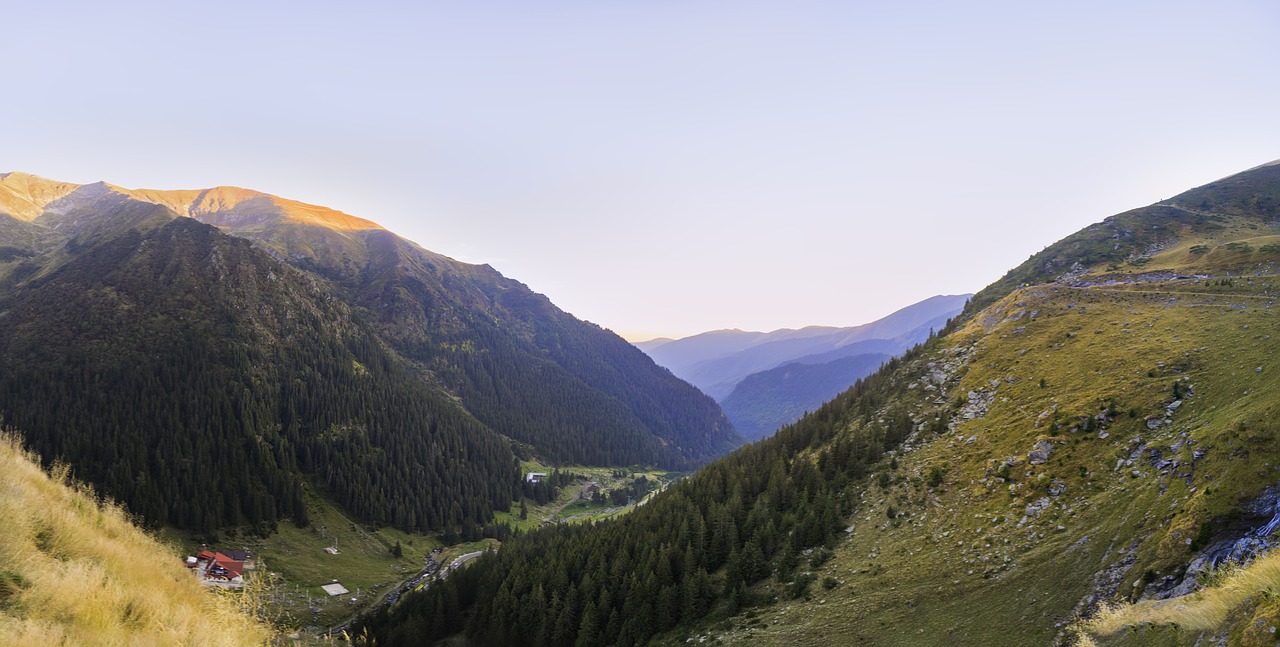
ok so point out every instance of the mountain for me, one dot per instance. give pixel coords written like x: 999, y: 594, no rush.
x: 1087, y: 456
x: 77, y: 572
x: 766, y: 380
x: 203, y: 356
x: 716, y: 361
x: 765, y: 401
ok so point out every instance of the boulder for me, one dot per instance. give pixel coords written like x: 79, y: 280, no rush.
x: 1039, y: 454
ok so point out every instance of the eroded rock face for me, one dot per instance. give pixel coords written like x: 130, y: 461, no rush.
x: 1240, y: 543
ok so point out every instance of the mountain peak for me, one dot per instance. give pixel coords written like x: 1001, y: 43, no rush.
x: 26, y: 197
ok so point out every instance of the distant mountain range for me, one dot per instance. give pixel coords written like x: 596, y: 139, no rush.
x: 200, y: 355
x: 766, y: 380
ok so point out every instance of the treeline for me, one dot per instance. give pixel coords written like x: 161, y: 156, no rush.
x: 624, y: 494
x: 197, y: 381
x: 698, y: 548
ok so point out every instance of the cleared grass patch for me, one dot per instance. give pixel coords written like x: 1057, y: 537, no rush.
x: 364, y: 563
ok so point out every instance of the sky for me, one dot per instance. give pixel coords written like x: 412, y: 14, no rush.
x: 664, y: 168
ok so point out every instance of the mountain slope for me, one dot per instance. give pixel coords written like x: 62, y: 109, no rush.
x: 803, y: 368
x: 195, y: 379
x: 1135, y: 372
x: 584, y: 394
x: 77, y: 572
x: 1104, y: 432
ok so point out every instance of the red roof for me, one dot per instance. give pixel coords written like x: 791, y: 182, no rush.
x: 204, y: 554
x: 223, y: 568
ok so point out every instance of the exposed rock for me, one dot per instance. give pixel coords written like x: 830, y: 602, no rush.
x: 1039, y: 455
x: 977, y: 404
x: 1034, y: 509
x: 1057, y: 487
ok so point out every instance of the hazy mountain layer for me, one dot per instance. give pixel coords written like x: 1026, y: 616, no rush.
x: 765, y: 401
x: 716, y: 361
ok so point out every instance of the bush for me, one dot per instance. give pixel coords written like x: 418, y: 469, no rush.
x: 936, y: 473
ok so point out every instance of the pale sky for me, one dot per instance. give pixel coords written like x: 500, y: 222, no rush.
x: 664, y: 168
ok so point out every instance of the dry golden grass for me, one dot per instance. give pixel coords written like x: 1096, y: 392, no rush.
x: 1204, y: 610
x: 78, y: 572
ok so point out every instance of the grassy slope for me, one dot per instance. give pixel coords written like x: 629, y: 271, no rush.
x: 954, y: 566
x: 75, y: 571
x: 364, y: 563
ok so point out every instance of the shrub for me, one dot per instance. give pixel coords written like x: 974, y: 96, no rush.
x: 936, y: 473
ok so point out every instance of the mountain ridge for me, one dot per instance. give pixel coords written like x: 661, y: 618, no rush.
x: 29, y: 196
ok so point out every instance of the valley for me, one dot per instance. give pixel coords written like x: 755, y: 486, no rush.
x: 627, y: 324
x: 1070, y: 459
